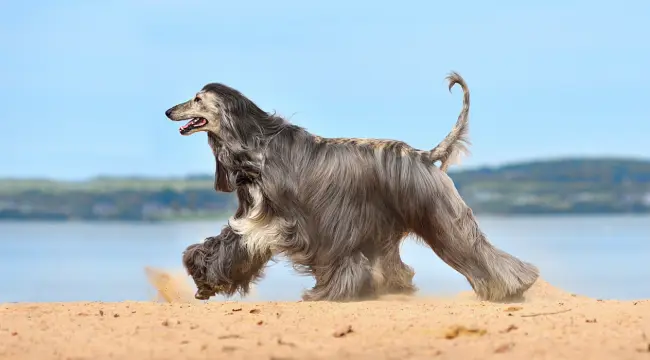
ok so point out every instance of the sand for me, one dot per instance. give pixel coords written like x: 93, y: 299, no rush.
x: 549, y: 324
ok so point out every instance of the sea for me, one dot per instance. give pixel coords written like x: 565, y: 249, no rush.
x: 605, y: 257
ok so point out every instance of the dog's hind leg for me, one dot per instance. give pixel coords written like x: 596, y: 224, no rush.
x: 348, y: 279
x: 449, y: 227
x: 390, y: 274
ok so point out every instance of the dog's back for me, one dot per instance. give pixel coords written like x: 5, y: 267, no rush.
x: 448, y: 151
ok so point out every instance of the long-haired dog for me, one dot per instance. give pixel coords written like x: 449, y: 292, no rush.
x: 337, y: 208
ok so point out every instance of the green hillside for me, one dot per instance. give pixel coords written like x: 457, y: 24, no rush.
x: 579, y: 186
x: 567, y: 186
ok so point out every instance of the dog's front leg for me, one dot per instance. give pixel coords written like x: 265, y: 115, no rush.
x: 223, y: 265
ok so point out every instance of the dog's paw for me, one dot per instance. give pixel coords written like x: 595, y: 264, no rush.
x: 202, y: 294
x: 308, y: 296
x: 204, y: 291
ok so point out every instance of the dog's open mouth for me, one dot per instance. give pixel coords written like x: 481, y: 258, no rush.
x: 193, y: 124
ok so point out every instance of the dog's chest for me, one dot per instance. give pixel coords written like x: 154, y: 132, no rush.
x: 260, y: 232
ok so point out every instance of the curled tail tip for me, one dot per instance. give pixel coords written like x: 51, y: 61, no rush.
x: 454, y: 78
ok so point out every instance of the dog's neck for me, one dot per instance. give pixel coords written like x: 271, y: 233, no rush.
x: 240, y: 150
x: 213, y: 141
x: 241, y: 165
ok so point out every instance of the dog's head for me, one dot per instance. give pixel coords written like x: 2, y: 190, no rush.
x: 204, y: 111
x: 216, y: 108
x: 221, y: 265
x: 235, y: 125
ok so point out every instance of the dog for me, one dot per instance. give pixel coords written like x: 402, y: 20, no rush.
x: 338, y: 209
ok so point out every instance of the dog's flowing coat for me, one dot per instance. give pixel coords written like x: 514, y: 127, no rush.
x: 337, y: 208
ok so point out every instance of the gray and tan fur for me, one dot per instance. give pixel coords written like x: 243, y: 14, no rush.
x: 448, y: 152
x: 337, y: 209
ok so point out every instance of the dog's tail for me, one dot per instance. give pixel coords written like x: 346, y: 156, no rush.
x: 457, y: 143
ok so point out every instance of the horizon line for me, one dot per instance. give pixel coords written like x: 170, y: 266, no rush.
x: 451, y: 171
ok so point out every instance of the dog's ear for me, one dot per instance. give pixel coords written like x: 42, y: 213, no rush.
x: 221, y: 178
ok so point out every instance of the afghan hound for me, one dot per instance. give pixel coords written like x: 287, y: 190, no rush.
x: 338, y: 209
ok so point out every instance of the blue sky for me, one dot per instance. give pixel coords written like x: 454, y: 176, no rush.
x: 84, y: 84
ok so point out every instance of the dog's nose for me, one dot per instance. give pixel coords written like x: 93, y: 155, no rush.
x: 168, y: 112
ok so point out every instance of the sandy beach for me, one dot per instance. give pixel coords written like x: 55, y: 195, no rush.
x: 549, y: 324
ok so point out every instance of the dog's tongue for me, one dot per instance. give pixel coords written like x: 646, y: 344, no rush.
x: 194, y: 122
x: 189, y: 123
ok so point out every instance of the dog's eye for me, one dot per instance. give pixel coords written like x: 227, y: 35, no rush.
x: 197, y: 99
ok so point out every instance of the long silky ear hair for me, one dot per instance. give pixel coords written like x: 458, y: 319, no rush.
x: 222, y: 178
x: 244, y: 127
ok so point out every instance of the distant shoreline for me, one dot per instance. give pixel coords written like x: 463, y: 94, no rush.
x: 105, y: 220
x: 569, y: 187
x: 224, y: 218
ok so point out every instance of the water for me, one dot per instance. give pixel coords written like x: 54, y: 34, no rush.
x: 604, y: 257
